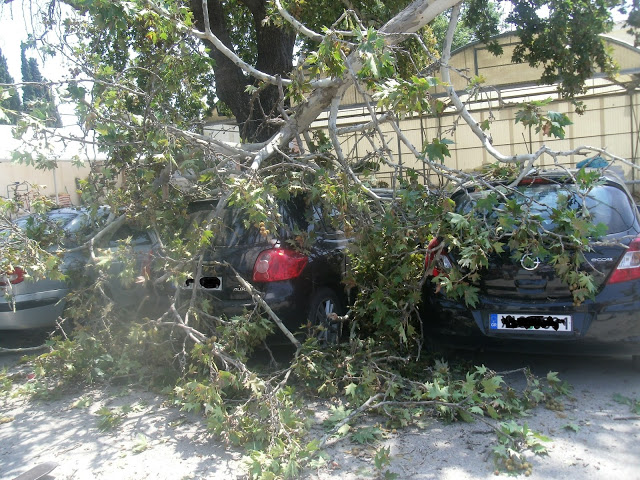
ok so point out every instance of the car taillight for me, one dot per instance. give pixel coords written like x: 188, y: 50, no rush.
x: 534, y: 181
x: 278, y: 264
x: 629, y: 265
x: 145, y: 268
x: 432, y: 253
x: 14, y: 277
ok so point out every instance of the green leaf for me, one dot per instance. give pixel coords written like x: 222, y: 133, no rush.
x: 382, y: 458
x: 492, y: 412
x: 351, y: 389
x: 477, y: 410
x: 491, y: 385
x: 464, y: 416
x: 552, y: 377
x: 542, y: 438
x: 366, y: 435
x: 438, y: 149
x: 141, y: 443
x: 571, y: 426
x: 459, y: 222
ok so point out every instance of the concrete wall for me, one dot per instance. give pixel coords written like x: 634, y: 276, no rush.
x: 61, y: 181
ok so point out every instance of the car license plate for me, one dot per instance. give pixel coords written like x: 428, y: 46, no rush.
x: 525, y: 321
x: 210, y: 283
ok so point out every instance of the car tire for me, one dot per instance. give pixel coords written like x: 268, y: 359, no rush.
x: 323, y: 302
x: 635, y: 362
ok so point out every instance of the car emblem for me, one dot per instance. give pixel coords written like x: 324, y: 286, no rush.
x: 523, y: 262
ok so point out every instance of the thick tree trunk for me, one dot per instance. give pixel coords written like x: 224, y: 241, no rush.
x: 275, y: 53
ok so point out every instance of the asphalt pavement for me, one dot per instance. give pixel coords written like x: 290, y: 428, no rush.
x: 594, y: 437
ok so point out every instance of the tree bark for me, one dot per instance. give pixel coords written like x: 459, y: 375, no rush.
x: 275, y: 56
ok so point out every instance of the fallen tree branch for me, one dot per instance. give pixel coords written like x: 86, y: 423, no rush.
x: 297, y: 26
x: 257, y: 297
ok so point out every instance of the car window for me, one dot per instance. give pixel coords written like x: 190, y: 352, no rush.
x: 138, y: 237
x: 60, y: 220
x: 49, y: 228
x: 326, y: 220
x: 604, y: 203
x: 232, y: 231
x: 236, y: 230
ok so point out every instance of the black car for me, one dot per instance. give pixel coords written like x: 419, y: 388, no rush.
x: 523, y: 305
x: 300, y: 281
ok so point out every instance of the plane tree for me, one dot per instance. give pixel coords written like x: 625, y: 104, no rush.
x: 145, y: 76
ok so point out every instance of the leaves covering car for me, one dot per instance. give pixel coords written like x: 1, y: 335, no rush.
x: 557, y: 260
x: 293, y: 264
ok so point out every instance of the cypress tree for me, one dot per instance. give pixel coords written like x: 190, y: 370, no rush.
x: 11, y: 105
x: 37, y: 97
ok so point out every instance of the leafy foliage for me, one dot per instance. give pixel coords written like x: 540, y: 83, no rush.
x: 405, y: 96
x: 567, y: 54
x: 503, y: 222
x: 549, y: 123
x: 37, y: 98
x: 9, y: 97
x: 143, y: 87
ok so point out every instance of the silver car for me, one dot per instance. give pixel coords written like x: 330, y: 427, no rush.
x: 26, y: 303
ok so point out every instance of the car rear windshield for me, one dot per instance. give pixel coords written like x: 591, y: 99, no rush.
x: 605, y: 204
x: 236, y: 230
x: 60, y: 220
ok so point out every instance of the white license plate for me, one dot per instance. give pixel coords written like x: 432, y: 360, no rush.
x: 530, y: 322
x: 209, y: 283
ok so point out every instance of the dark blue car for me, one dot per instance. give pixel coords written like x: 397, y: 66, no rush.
x: 301, y: 284
x: 523, y: 305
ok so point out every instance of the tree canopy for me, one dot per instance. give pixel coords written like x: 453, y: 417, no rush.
x: 36, y: 94
x: 144, y: 78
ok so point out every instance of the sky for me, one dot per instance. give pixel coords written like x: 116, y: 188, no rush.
x: 13, y: 30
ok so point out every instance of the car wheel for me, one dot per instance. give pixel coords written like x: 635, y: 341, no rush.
x: 635, y: 362
x: 324, y: 302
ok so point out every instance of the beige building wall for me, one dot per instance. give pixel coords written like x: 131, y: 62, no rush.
x: 57, y: 183
x: 611, y: 120
x: 73, y: 162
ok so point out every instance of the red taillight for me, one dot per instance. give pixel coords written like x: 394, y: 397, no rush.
x: 629, y: 265
x: 14, y: 277
x: 534, y: 181
x: 433, y: 251
x: 278, y: 264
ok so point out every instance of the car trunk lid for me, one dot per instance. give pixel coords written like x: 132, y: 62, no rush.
x: 536, y: 279
x: 524, y: 276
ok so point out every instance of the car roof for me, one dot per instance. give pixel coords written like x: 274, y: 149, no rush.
x: 559, y: 175
x: 608, y: 173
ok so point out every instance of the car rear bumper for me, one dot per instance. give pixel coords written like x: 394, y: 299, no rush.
x: 609, y: 324
x: 32, y: 310
x: 288, y: 301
